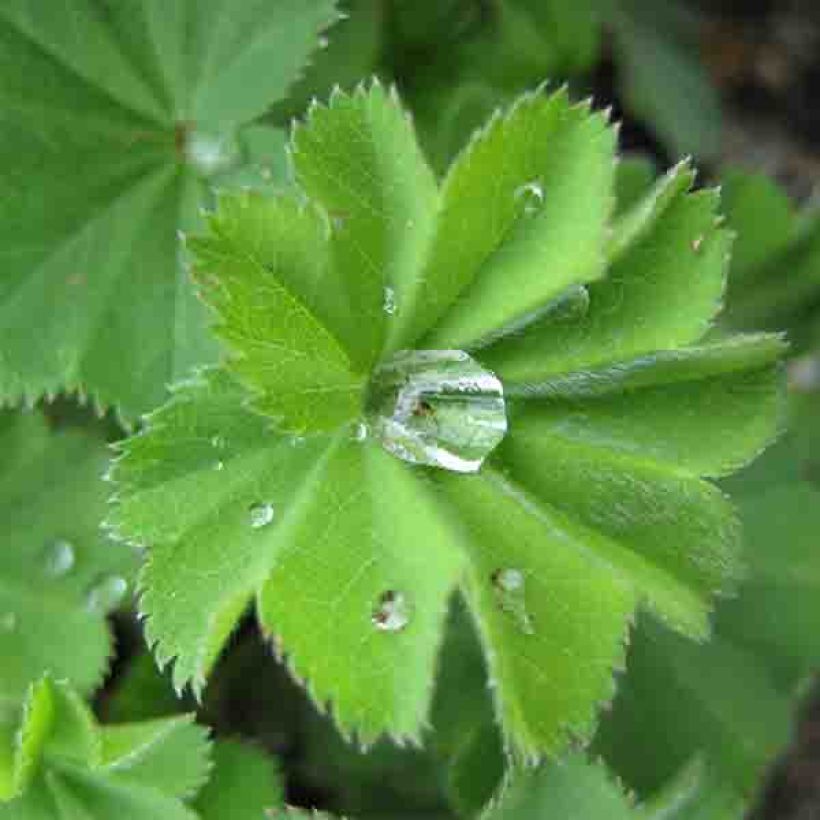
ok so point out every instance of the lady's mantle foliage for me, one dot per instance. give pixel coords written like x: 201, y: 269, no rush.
x: 262, y: 480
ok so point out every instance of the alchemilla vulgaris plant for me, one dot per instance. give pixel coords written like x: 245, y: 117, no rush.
x: 451, y: 442
x: 486, y: 387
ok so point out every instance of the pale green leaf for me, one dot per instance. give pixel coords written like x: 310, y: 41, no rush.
x: 552, y: 642
x: 264, y: 267
x: 227, y: 461
x: 115, y: 121
x: 592, y: 505
x: 653, y: 408
x: 53, y: 558
x: 570, y: 789
x: 639, y: 219
x: 661, y: 292
x: 358, y: 159
x: 244, y: 784
x: 367, y: 538
x: 530, y: 192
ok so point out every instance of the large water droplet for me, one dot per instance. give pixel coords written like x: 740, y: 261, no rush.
x: 390, y: 301
x: 510, y: 589
x: 60, y: 558
x: 437, y: 407
x: 8, y: 622
x: 531, y: 195
x: 261, y: 515
x: 106, y: 594
x: 392, y: 612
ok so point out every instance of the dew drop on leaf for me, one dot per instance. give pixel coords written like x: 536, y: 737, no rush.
x: 360, y: 431
x: 531, y: 194
x: 437, y: 407
x: 392, y: 612
x: 261, y: 515
x: 60, y: 557
x: 217, y: 442
x: 219, y: 466
x: 211, y: 154
x: 106, y: 594
x: 510, y: 584
x: 390, y: 301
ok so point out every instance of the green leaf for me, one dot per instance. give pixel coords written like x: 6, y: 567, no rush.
x: 661, y: 292
x: 695, y: 793
x: 264, y: 271
x: 350, y: 51
x: 246, y: 486
x: 571, y: 789
x: 551, y: 641
x: 380, y: 197
x: 169, y: 754
x: 775, y: 282
x: 67, y: 767
x: 58, y: 573
x: 466, y: 737
x: 513, y: 203
x: 762, y: 216
x: 679, y: 698
x: 119, y: 140
x: 244, y: 784
x: 729, y: 701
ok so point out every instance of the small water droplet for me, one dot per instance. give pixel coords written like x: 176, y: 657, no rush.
x: 211, y: 154
x: 60, y: 558
x: 323, y: 42
x: 360, y: 431
x: 106, y: 594
x: 392, y: 612
x: 437, y: 407
x: 390, y: 301
x: 261, y: 515
x: 219, y: 466
x: 531, y: 194
x: 8, y: 622
x: 510, y: 584
x: 218, y: 442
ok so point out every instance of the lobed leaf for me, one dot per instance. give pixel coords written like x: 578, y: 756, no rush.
x: 58, y: 575
x: 66, y: 766
x: 594, y: 503
x: 113, y: 148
